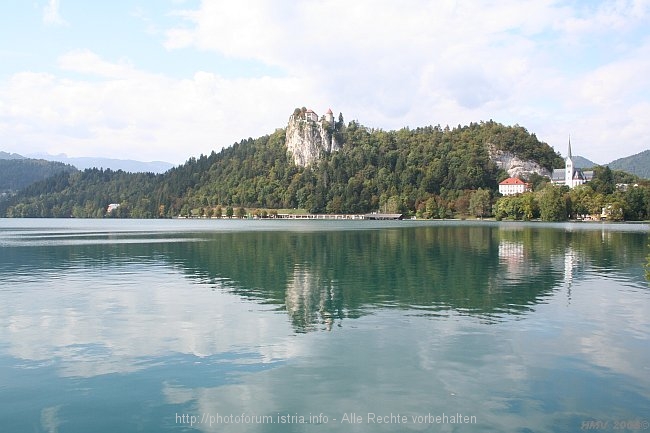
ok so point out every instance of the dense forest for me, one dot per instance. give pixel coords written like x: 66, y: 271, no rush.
x: 17, y: 173
x: 431, y: 172
x: 638, y: 164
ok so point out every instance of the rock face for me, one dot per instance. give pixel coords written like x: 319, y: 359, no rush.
x: 307, y: 136
x: 515, y: 166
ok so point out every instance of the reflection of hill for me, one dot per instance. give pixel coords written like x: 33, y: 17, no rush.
x: 321, y: 277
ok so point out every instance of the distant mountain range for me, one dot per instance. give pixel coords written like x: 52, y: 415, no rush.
x: 18, y: 171
x: 638, y: 164
x: 582, y: 162
x: 5, y: 155
x: 128, y: 165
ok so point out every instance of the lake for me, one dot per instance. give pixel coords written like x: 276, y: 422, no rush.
x: 323, y: 326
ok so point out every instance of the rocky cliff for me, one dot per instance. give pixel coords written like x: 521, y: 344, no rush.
x: 515, y: 166
x: 308, y: 136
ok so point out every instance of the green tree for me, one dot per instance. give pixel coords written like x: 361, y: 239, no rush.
x: 636, y: 203
x: 510, y: 207
x: 552, y: 205
x: 479, y: 203
x: 603, y: 181
x: 229, y: 211
x: 537, y: 181
x: 431, y: 208
x: 462, y: 203
x: 529, y: 206
x: 185, y: 211
x: 614, y: 210
x: 394, y: 204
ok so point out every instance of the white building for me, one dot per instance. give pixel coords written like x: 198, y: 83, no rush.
x: 513, y: 185
x: 310, y: 115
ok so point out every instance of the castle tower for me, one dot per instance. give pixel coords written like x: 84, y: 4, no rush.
x: 568, y: 170
x: 329, y: 116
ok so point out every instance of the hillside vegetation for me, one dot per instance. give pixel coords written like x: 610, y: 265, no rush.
x: 17, y: 173
x: 375, y: 169
x: 638, y: 164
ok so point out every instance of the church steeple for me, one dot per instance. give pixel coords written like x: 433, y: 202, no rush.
x: 568, y: 168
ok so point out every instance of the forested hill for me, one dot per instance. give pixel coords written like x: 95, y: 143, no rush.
x: 17, y: 172
x: 374, y: 168
x: 638, y: 164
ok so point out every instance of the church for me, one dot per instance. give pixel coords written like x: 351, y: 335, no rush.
x: 570, y: 175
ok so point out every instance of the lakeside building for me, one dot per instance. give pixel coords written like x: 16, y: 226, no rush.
x: 513, y: 185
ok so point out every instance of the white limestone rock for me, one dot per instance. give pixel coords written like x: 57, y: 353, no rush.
x: 515, y: 166
x: 307, y: 136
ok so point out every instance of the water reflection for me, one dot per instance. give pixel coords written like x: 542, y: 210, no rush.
x: 322, y: 277
x: 311, y: 300
x: 489, y: 271
x: 102, y: 330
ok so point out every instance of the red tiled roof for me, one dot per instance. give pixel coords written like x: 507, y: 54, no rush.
x: 512, y: 181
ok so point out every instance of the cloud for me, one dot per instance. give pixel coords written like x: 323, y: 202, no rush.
x: 116, y: 110
x: 381, y: 53
x: 84, y: 343
x: 532, y: 63
x: 621, y: 81
x: 601, y: 17
x: 87, y: 62
x: 555, y: 68
x: 51, y: 14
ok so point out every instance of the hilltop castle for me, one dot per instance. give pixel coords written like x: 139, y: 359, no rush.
x: 308, y: 136
x: 310, y: 116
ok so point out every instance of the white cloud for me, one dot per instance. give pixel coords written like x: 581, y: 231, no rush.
x: 601, y: 17
x: 51, y: 14
x: 392, y: 65
x: 555, y: 68
x: 119, y: 111
x: 87, y: 62
x: 89, y: 343
x: 619, y: 82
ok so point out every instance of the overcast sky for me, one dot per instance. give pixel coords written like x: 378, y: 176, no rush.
x: 170, y: 79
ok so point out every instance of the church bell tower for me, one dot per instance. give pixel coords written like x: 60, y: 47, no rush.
x: 568, y: 170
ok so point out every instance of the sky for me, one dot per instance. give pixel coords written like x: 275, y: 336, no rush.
x: 171, y: 79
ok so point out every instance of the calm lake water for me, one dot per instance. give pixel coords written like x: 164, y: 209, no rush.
x: 322, y: 326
